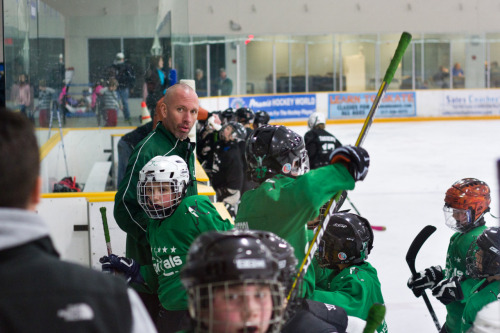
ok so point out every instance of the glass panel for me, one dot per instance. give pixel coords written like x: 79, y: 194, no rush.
x: 494, y: 59
x: 298, y: 63
x: 436, y: 61
x: 283, y: 65
x: 358, y: 62
x: 321, y: 56
x: 259, y: 66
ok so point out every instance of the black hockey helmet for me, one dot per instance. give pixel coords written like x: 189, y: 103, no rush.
x: 284, y: 253
x: 273, y: 150
x: 483, y: 256
x: 228, y: 115
x: 238, y: 132
x: 221, y: 261
x: 348, y: 239
x: 261, y: 118
x: 224, y: 256
x: 244, y: 115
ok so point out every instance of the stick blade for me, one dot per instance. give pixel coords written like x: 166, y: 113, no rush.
x: 375, y: 317
x: 417, y: 243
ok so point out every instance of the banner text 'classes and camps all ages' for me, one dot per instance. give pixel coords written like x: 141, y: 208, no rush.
x: 357, y: 105
x: 278, y: 107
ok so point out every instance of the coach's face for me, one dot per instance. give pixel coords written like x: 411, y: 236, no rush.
x: 180, y: 110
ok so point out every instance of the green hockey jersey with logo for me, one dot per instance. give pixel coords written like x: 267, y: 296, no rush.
x: 170, y: 240
x: 455, y: 266
x: 284, y: 205
x: 355, y: 288
x: 480, y: 295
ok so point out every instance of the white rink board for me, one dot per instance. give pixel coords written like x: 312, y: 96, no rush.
x: 96, y: 233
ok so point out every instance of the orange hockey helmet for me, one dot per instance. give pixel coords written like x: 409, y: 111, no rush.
x: 466, y: 201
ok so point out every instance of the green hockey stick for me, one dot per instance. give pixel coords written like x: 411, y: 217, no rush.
x: 375, y: 318
x: 404, y: 41
x: 106, y: 229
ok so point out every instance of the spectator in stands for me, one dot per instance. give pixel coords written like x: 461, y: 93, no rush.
x: 224, y: 84
x: 124, y: 74
x: 156, y: 81
x: 201, y: 83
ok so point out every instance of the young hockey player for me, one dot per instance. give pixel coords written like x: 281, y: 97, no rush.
x: 227, y: 171
x: 319, y: 142
x: 483, y: 263
x: 351, y: 282
x: 288, y: 196
x: 261, y: 118
x: 245, y: 116
x: 176, y: 220
x: 233, y: 285
x: 304, y: 315
x: 466, y: 202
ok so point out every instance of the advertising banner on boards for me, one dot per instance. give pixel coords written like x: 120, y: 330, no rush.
x: 278, y: 107
x: 357, y: 105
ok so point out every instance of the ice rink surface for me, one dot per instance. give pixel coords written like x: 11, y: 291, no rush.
x: 412, y: 165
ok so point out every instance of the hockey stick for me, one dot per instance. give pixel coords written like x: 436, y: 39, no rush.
x: 404, y: 41
x: 410, y: 259
x: 106, y: 229
x: 375, y: 317
x: 374, y: 227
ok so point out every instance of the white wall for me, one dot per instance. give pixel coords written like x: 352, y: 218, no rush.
x: 344, y: 16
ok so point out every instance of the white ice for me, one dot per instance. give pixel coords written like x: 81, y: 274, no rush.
x: 412, y: 165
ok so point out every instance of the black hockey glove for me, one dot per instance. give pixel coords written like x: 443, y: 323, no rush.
x: 128, y: 267
x: 449, y: 290
x: 356, y: 160
x: 428, y: 278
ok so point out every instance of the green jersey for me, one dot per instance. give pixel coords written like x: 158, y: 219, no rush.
x: 455, y: 266
x: 355, y: 288
x: 480, y: 295
x: 170, y: 240
x: 128, y: 214
x: 284, y: 205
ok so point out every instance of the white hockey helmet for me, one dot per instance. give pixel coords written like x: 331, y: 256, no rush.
x: 162, y: 185
x: 316, y: 118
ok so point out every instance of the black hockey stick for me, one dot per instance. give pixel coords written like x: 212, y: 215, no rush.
x: 410, y: 259
x: 375, y: 317
x: 404, y: 41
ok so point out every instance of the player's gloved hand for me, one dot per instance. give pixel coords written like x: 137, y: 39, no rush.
x: 356, y: 160
x: 128, y: 267
x: 427, y: 278
x: 449, y: 290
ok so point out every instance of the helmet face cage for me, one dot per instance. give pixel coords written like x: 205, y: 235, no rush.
x: 466, y: 201
x: 273, y: 150
x: 483, y: 256
x: 162, y: 185
x: 251, y: 305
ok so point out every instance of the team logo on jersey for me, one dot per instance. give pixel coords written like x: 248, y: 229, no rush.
x: 164, y: 263
x: 287, y: 168
x: 342, y: 256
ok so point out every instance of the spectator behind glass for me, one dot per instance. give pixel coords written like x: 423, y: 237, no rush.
x: 201, y: 83
x: 124, y: 74
x: 156, y: 82
x: 224, y: 84
x: 22, y: 95
x: 40, y: 292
